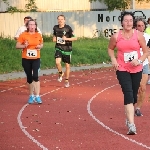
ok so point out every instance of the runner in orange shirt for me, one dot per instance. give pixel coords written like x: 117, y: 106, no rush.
x: 31, y: 42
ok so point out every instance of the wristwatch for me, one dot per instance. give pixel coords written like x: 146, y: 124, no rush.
x: 140, y: 61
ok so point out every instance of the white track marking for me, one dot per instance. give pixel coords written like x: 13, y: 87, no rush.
x: 25, y: 85
x: 11, y: 88
x: 91, y: 114
x: 23, y: 128
x: 3, y: 91
x: 108, y: 128
x: 21, y: 86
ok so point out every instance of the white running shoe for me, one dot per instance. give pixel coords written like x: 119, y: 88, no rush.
x: 132, y: 129
x: 60, y: 76
x: 148, y: 82
x: 67, y: 84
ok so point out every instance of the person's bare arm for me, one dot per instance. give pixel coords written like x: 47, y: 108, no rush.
x: 54, y: 38
x: 111, y: 47
x: 69, y: 39
x: 22, y: 46
x: 17, y: 34
x: 39, y: 46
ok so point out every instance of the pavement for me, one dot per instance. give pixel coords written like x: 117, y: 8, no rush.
x: 16, y: 75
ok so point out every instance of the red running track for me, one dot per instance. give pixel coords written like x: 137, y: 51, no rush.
x: 89, y: 115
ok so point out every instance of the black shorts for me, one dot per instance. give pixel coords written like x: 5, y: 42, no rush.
x: 65, y: 58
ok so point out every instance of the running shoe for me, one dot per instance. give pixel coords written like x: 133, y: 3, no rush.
x: 31, y: 100
x: 138, y: 112
x: 132, y: 129
x: 148, y: 82
x: 38, y: 100
x: 67, y: 84
x: 60, y: 77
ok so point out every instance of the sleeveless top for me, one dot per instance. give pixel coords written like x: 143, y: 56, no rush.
x: 127, y: 50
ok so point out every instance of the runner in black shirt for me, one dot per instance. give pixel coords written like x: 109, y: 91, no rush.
x: 63, y: 36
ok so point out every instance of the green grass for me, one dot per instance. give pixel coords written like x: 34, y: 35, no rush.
x: 85, y: 52
x: 90, y: 51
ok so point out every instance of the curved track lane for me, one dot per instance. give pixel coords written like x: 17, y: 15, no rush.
x: 89, y: 115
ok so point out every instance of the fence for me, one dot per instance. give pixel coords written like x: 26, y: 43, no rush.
x: 84, y: 24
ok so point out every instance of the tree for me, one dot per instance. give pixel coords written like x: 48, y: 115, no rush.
x: 29, y: 7
x: 118, y: 4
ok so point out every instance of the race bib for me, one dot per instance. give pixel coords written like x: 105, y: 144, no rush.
x: 60, y: 40
x: 31, y: 53
x: 130, y: 56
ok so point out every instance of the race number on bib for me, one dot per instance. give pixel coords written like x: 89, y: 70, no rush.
x: 31, y: 53
x: 130, y: 56
x: 60, y: 40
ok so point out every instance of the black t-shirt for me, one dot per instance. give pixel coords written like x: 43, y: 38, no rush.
x: 59, y: 33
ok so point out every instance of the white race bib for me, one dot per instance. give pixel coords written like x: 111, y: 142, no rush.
x: 60, y: 40
x: 31, y: 53
x: 130, y: 56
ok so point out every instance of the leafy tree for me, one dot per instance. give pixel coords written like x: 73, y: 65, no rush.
x: 118, y: 4
x: 29, y: 7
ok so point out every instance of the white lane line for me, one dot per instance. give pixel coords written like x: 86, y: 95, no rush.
x: 23, y: 128
x: 43, y: 81
x: 26, y: 132
x: 105, y: 126
x: 3, y: 91
x: 21, y: 86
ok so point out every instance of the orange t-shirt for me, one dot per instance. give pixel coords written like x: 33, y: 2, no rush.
x: 33, y: 39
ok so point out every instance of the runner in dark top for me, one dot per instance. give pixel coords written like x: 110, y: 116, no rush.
x: 63, y: 36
